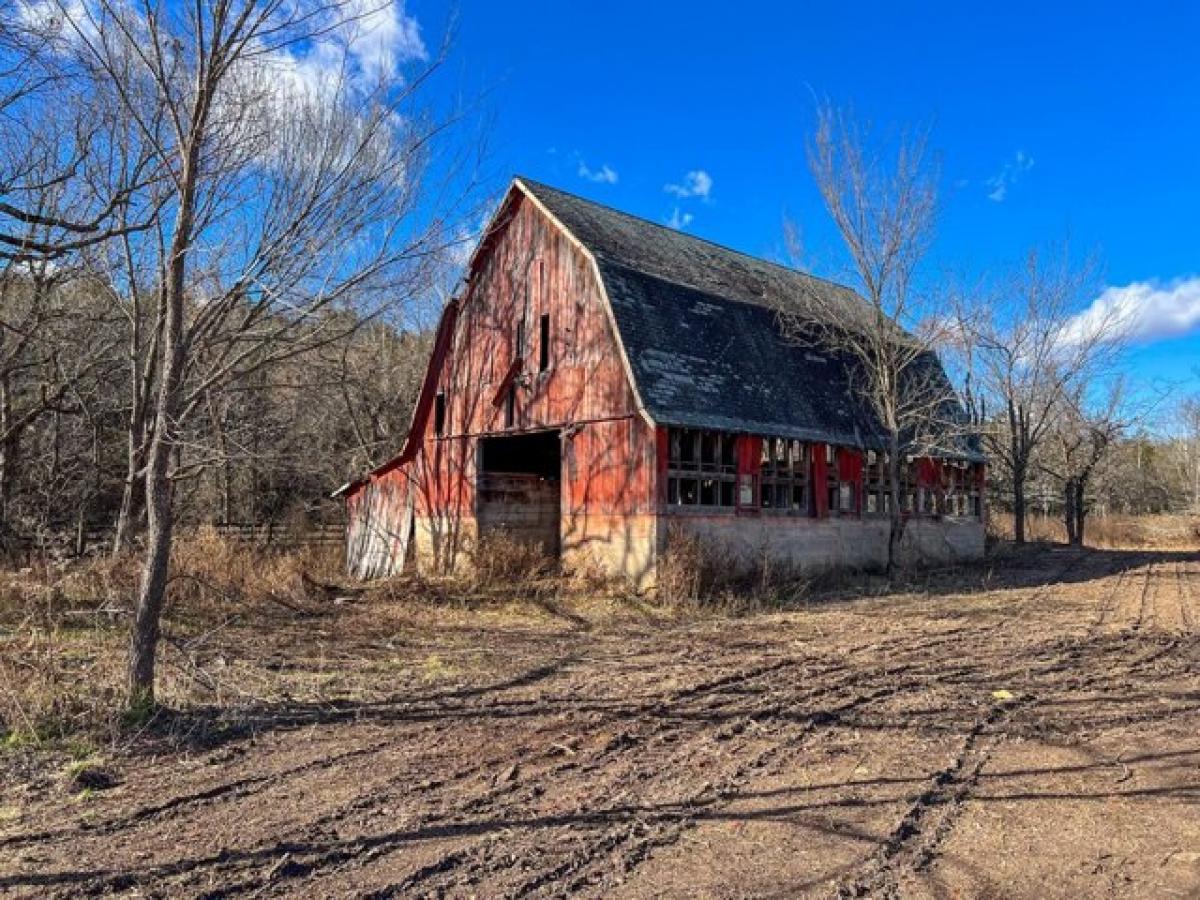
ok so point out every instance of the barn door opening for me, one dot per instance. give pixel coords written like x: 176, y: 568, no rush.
x: 519, y: 485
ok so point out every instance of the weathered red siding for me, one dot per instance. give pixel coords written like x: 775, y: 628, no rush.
x: 529, y: 268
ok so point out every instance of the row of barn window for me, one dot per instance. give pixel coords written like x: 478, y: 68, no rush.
x: 703, y: 472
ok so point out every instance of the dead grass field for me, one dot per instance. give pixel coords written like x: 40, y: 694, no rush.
x: 1027, y: 729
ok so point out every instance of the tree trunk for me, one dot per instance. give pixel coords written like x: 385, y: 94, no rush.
x: 159, y: 512
x: 1019, y: 507
x: 9, y: 450
x: 895, y: 515
x: 1080, y: 513
x: 133, y: 496
x: 1072, y: 511
x: 152, y: 593
x: 159, y: 517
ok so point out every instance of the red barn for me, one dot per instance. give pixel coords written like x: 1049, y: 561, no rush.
x: 602, y: 380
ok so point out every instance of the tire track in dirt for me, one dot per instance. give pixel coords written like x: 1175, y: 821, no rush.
x: 478, y: 855
x: 1108, y: 605
x: 651, y: 738
x: 632, y: 842
x: 1153, y: 616
x: 640, y: 768
x: 512, y: 795
x: 1140, y: 616
x: 913, y: 845
x: 918, y: 675
x: 1186, y: 595
x: 244, y: 788
x: 927, y: 666
x: 620, y: 848
x: 183, y: 803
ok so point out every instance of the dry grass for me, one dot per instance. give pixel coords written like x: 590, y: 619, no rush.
x: 64, y: 632
x: 694, y: 575
x: 245, y: 627
x: 1113, y: 532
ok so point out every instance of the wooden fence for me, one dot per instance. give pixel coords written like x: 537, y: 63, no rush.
x: 21, y: 548
x: 283, y: 537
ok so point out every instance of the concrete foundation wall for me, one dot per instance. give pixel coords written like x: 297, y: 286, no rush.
x: 619, y: 546
x: 629, y: 546
x: 817, y: 544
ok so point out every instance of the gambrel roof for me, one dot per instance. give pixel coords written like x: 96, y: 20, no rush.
x: 700, y: 328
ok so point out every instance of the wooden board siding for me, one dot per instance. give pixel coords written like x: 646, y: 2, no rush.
x: 528, y: 268
x: 524, y: 507
x: 378, y: 526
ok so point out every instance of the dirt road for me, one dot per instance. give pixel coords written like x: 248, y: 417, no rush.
x: 1035, y: 734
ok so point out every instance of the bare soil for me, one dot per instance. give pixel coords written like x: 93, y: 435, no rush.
x: 1026, y: 730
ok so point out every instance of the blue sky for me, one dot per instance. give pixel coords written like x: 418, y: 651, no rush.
x: 1051, y: 124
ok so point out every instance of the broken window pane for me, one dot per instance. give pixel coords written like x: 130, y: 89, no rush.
x: 689, y: 489
x: 687, y: 449
x: 711, y: 457
x: 799, y: 499
x: 782, y: 496
x: 727, y: 497
x: 746, y: 490
x: 729, y: 453
x: 784, y: 476
x: 846, y: 496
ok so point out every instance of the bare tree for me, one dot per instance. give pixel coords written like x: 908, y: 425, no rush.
x: 69, y: 171
x: 295, y: 186
x: 1084, y: 433
x: 1189, y: 414
x: 885, y: 215
x: 1026, y: 350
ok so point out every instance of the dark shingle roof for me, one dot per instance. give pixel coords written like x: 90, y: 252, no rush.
x: 699, y: 325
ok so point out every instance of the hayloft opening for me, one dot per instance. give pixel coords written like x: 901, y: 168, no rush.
x: 519, y: 488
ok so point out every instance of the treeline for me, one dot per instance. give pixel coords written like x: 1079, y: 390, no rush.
x: 265, y: 448
x: 1066, y: 429
x: 1144, y: 474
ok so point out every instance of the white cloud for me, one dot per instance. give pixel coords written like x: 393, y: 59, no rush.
x: 383, y: 37
x: 359, y: 42
x: 679, y: 219
x: 61, y: 22
x: 696, y: 183
x: 606, y: 174
x: 1008, y: 175
x: 1142, y: 311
